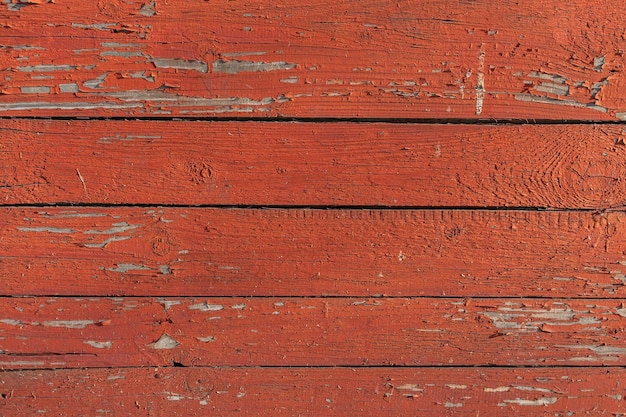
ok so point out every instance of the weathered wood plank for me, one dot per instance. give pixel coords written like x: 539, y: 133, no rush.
x: 437, y: 59
x: 107, y: 162
x: 237, y: 252
x: 315, y: 392
x: 118, y: 332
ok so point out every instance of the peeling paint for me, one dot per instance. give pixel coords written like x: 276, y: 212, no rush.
x: 409, y: 387
x: 42, y: 105
x: 148, y: 9
x: 552, y: 88
x: 95, y: 83
x: 171, y: 396
x: 548, y: 77
x: 46, y: 229
x: 526, y: 388
x: 180, y: 64
x: 122, y: 268
x: 21, y: 363
x: 70, y: 215
x: 106, y: 242
x: 46, y: 68
x: 97, y: 26
x: 235, y: 66
x: 538, y: 402
x: 116, y: 228
x: 99, y: 345
x: 164, y: 342
x: 456, y: 386
x: 598, y: 63
x: 68, y: 88
x: 186, y: 101
x: 35, y: 90
x: 206, y: 339
x: 601, y: 350
x: 69, y: 324
x: 167, y: 304
x: 480, y: 83
x: 206, y: 307
x: 122, y: 54
x: 497, y: 389
x: 12, y: 322
x: 548, y: 100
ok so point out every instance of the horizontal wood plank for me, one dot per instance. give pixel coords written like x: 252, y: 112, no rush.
x: 315, y: 392
x: 242, y: 252
x: 118, y: 332
x: 435, y: 59
x: 228, y: 163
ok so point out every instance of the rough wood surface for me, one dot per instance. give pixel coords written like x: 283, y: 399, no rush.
x: 403, y: 266
x: 328, y: 164
x: 315, y: 391
x: 118, y: 332
x: 400, y: 59
x: 242, y: 252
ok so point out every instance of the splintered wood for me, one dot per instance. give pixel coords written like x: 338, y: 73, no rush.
x: 340, y: 208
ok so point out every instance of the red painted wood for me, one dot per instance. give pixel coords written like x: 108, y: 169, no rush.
x: 235, y: 252
x: 89, y: 332
x: 113, y: 162
x: 256, y: 280
x: 314, y: 391
x: 437, y: 59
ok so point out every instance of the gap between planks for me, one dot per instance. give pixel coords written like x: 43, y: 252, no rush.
x: 313, y: 297
x: 608, y: 368
x: 328, y: 120
x: 66, y: 204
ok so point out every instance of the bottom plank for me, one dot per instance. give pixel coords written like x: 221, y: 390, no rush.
x: 314, y: 391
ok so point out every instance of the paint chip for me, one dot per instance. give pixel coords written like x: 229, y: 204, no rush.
x: 206, y: 339
x: 69, y: 324
x: 181, y: 64
x: 148, y: 9
x: 206, y: 307
x: 123, y: 268
x: 99, y: 345
x: 164, y: 342
x: 540, y: 401
x: 236, y: 66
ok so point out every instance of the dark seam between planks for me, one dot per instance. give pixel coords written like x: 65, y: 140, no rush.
x: 330, y: 120
x: 301, y: 367
x: 307, y: 207
x: 319, y: 297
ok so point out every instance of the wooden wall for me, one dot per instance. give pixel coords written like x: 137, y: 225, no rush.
x: 327, y: 208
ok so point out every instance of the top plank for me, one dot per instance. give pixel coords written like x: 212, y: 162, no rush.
x: 258, y: 58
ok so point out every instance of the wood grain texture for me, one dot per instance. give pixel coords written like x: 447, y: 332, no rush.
x: 314, y: 392
x: 118, y: 332
x: 400, y: 59
x: 243, y: 252
x: 328, y: 164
